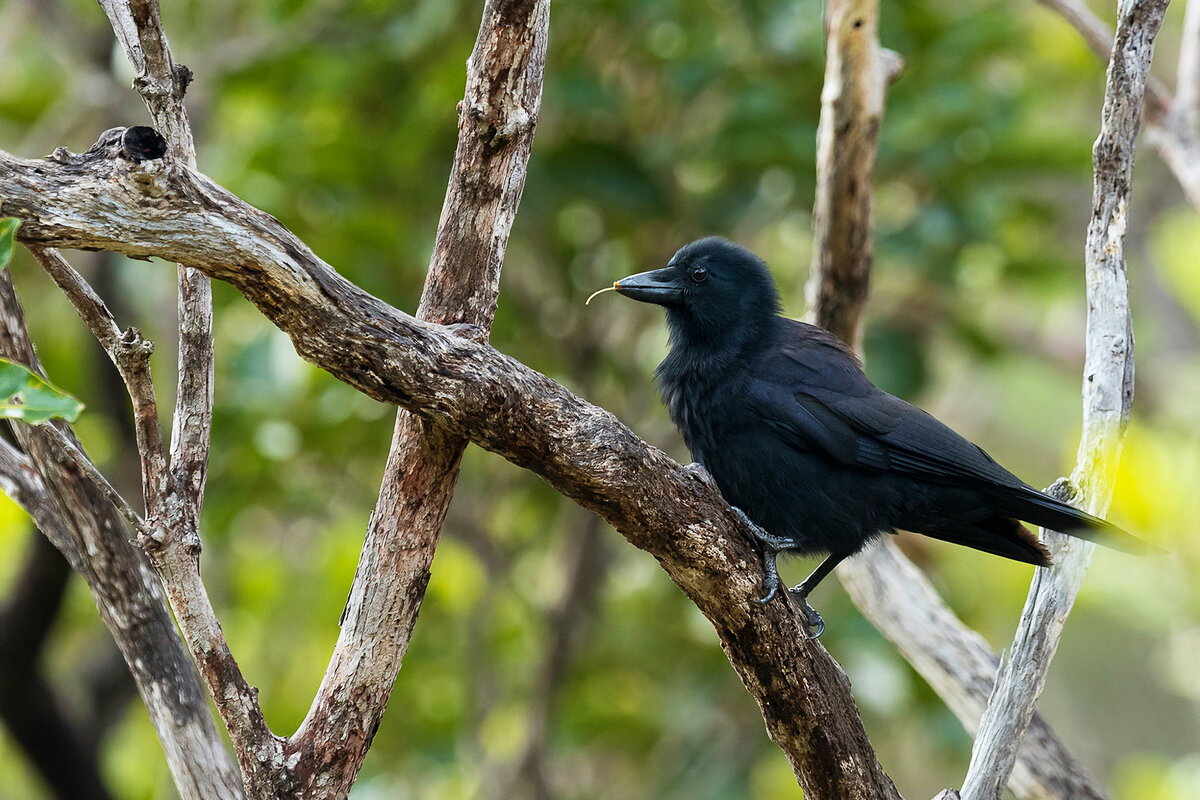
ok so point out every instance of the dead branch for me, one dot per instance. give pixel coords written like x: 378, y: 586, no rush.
x: 1107, y: 399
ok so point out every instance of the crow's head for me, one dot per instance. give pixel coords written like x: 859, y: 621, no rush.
x: 712, y: 289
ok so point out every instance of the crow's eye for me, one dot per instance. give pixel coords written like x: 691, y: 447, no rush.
x: 699, y: 274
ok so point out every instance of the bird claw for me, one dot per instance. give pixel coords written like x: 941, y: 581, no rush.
x: 772, y: 546
x: 772, y: 583
x: 811, y: 617
x: 771, y: 573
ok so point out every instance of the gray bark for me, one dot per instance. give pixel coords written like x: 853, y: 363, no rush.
x: 1107, y: 399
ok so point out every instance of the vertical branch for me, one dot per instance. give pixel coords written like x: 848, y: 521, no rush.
x: 889, y: 590
x: 851, y: 109
x: 497, y: 117
x: 162, y: 84
x: 1107, y: 398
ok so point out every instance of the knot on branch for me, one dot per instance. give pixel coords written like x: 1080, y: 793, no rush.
x: 137, y: 144
x: 1062, y: 489
x: 131, y: 344
x: 495, y: 124
x: 182, y: 79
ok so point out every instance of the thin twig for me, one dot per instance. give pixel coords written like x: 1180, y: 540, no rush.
x: 67, y: 449
x: 130, y: 353
x: 1107, y: 395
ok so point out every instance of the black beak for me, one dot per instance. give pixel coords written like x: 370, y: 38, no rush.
x: 656, y: 286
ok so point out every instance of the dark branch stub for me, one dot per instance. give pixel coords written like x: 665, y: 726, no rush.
x: 142, y: 143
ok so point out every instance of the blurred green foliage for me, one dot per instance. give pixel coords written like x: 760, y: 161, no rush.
x: 548, y: 650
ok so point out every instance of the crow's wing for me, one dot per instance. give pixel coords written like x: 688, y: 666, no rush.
x: 813, y: 392
x: 815, y: 395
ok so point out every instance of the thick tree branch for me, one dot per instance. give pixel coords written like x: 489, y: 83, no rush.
x: 1107, y: 399
x: 122, y: 195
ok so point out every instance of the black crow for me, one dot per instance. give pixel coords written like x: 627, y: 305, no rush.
x: 797, y: 438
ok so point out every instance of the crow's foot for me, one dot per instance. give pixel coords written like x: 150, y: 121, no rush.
x: 771, y: 580
x: 815, y: 624
x: 771, y: 546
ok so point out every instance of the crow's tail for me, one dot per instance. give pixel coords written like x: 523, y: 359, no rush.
x: 1032, y: 506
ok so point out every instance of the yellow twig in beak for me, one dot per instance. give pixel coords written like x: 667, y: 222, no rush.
x: 612, y: 288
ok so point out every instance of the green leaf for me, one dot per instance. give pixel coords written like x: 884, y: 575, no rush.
x: 28, y: 397
x: 8, y: 230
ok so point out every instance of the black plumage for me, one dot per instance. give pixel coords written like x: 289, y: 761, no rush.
x: 796, y: 437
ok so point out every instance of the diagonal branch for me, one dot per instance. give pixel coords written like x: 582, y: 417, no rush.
x: 1107, y: 399
x: 496, y: 125
x: 130, y: 353
x: 87, y: 530
x: 66, y: 449
x: 122, y: 195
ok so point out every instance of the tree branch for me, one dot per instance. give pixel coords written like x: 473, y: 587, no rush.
x: 851, y: 110
x: 1176, y: 143
x: 122, y: 195
x: 1107, y: 399
x: 130, y: 353
x: 882, y: 582
x: 496, y: 124
x: 89, y: 533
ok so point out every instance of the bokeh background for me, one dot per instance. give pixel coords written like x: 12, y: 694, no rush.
x: 551, y: 659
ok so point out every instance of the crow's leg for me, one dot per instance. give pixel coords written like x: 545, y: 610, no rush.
x: 772, y: 546
x: 800, y: 593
